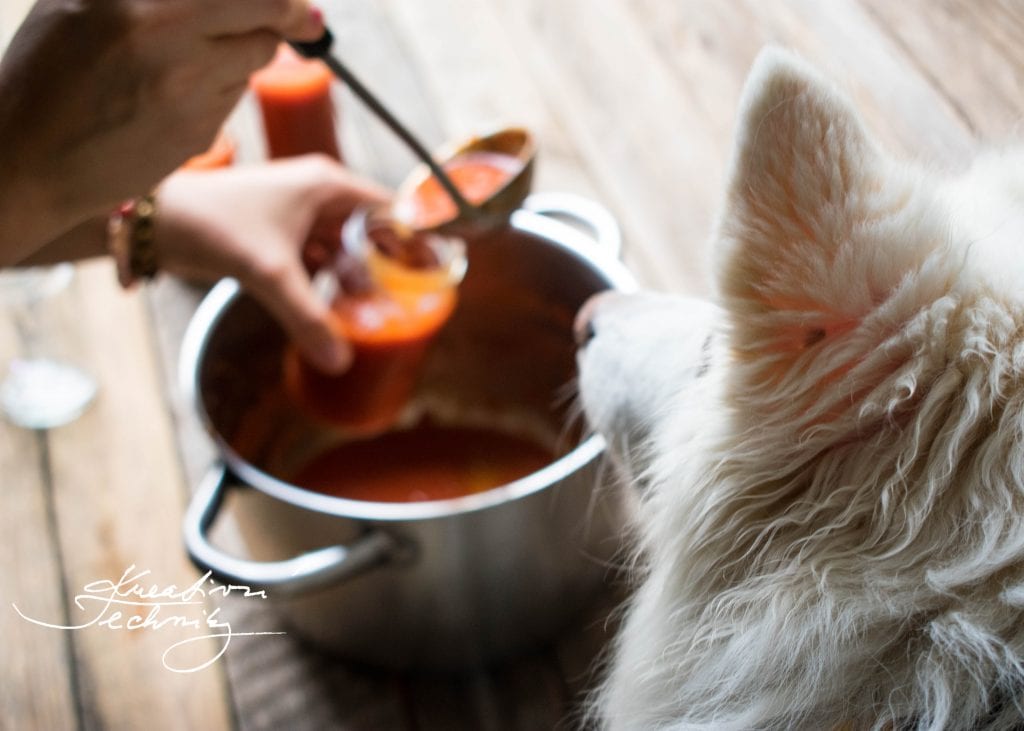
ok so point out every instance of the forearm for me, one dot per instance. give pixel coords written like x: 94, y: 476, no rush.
x: 86, y: 240
x: 34, y: 207
x: 24, y: 224
x: 26, y: 219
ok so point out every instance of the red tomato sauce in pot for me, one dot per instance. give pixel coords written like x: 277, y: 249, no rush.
x: 426, y: 462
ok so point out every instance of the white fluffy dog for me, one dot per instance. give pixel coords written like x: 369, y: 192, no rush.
x: 830, y: 460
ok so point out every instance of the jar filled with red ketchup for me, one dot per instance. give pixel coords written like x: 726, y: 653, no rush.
x: 397, y: 290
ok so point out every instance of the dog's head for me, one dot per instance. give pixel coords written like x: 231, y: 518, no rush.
x: 846, y: 419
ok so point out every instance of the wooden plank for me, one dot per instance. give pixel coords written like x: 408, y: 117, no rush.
x: 708, y: 49
x: 1001, y: 21
x: 172, y: 302
x: 36, y: 691
x: 658, y: 137
x: 309, y: 691
x: 480, y: 84
x: 118, y: 502
x: 523, y: 694
x: 527, y: 694
x: 447, y: 702
x: 911, y: 118
x: 646, y: 145
x: 988, y: 91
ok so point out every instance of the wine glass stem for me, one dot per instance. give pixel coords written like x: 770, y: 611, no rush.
x: 28, y: 326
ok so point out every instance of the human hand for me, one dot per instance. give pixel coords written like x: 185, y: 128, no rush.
x: 254, y: 223
x: 100, y: 99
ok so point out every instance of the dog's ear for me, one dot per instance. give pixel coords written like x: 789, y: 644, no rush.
x: 800, y: 258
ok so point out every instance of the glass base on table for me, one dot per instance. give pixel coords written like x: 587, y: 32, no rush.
x: 41, y: 393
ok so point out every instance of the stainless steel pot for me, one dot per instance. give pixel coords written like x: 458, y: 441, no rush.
x: 432, y: 584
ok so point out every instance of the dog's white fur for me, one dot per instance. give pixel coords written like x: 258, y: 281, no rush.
x: 831, y: 459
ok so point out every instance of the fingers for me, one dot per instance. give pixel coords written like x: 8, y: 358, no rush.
x: 286, y: 291
x: 284, y: 286
x: 340, y: 191
x: 294, y: 19
x: 336, y: 193
x: 330, y: 189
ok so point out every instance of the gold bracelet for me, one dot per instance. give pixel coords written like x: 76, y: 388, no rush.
x: 130, y: 239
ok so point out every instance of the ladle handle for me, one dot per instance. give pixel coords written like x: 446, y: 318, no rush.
x: 305, y: 572
x: 321, y: 49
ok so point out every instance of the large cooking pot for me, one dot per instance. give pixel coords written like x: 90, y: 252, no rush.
x: 446, y: 583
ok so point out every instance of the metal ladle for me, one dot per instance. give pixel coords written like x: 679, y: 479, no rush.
x: 491, y: 212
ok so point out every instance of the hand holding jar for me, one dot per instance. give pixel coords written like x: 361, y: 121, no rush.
x: 258, y: 224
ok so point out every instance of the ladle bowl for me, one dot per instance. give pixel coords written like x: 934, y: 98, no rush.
x: 515, y: 143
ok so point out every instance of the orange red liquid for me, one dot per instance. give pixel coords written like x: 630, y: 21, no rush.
x: 220, y: 155
x: 295, y: 100
x: 423, y: 463
x: 390, y: 338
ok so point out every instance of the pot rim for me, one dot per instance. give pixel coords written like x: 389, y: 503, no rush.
x: 214, y: 306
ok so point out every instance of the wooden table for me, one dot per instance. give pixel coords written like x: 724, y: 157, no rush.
x: 633, y: 102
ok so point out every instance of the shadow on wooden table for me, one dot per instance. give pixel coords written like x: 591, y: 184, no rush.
x: 279, y: 682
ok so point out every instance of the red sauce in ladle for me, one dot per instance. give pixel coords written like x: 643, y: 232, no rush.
x: 477, y: 175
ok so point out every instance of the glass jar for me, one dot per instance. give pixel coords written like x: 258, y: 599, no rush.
x: 396, y: 289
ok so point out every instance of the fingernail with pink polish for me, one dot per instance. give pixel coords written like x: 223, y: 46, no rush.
x: 316, y: 16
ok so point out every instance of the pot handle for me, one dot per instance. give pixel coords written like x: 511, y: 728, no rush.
x: 588, y: 214
x: 302, y: 573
